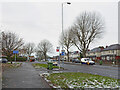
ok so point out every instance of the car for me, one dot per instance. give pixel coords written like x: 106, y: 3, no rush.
x: 3, y: 60
x: 55, y: 63
x: 87, y: 61
x: 32, y: 60
x: 76, y: 60
x: 43, y: 60
x: 73, y: 60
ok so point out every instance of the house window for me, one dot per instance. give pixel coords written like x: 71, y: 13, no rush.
x: 93, y: 58
x: 103, y: 58
x: 113, y: 51
x: 114, y: 57
x: 111, y: 58
x: 108, y: 58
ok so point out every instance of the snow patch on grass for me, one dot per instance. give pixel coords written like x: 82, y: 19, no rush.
x: 63, y: 80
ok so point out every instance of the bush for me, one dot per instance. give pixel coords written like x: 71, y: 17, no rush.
x: 17, y: 58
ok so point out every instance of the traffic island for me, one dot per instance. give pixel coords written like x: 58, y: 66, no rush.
x: 45, y: 66
x: 79, y: 80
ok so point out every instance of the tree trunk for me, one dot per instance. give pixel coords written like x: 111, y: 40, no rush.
x: 84, y: 53
x: 45, y: 56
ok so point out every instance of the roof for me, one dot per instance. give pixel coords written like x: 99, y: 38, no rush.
x: 112, y: 47
x: 98, y: 49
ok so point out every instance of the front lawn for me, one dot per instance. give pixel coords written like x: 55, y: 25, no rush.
x: 39, y: 65
x: 80, y: 80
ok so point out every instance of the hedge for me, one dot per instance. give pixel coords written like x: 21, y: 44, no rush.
x: 17, y: 58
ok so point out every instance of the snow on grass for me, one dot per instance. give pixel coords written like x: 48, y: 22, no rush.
x: 81, y: 80
x: 44, y: 74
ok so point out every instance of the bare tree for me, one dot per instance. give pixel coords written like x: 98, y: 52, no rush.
x: 10, y: 42
x: 39, y: 55
x: 22, y: 51
x: 88, y: 27
x: 29, y: 47
x: 66, y: 40
x: 45, y: 47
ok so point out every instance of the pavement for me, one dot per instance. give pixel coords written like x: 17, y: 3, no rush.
x: 23, y: 77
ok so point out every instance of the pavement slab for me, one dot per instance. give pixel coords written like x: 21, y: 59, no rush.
x: 23, y: 77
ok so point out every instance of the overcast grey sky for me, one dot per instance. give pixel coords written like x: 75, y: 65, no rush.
x: 35, y: 21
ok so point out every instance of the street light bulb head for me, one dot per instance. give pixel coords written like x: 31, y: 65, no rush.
x: 68, y: 3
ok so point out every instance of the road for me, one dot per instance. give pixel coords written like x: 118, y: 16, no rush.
x: 93, y: 69
x: 109, y: 71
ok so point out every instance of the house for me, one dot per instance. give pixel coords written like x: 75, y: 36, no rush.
x: 95, y: 54
x: 76, y: 54
x: 22, y: 52
x: 72, y: 55
x: 109, y: 55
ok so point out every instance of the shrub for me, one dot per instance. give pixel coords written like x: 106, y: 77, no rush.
x: 17, y: 58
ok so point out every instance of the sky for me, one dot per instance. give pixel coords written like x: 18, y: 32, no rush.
x: 36, y: 21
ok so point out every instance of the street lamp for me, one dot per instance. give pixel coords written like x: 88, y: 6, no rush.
x: 62, y: 20
x: 62, y: 15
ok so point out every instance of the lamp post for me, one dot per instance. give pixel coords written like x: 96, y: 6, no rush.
x: 62, y: 20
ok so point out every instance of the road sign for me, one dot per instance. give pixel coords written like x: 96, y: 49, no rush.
x: 57, y: 50
x: 15, y: 52
x: 63, y: 52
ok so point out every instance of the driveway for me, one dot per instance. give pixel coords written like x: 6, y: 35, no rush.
x: 23, y: 77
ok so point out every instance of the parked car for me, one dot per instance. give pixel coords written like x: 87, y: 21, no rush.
x: 43, y: 60
x: 76, y: 60
x: 32, y: 60
x: 73, y: 60
x: 55, y: 63
x: 3, y: 60
x: 87, y: 61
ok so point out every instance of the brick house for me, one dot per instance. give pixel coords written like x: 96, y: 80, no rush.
x: 111, y: 54
x: 108, y: 55
x: 95, y: 54
x: 72, y: 55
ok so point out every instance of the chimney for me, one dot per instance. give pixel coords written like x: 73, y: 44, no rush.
x: 106, y: 46
x: 88, y: 49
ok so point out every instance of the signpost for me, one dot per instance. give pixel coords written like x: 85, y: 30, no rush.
x: 63, y: 53
x: 58, y: 50
x: 15, y: 52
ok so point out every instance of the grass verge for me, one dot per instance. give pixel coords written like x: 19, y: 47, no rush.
x: 81, y: 80
x: 9, y: 65
x: 39, y: 65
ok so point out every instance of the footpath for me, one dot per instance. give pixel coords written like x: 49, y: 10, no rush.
x: 23, y: 77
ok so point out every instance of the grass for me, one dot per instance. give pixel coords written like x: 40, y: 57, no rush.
x: 9, y: 65
x: 81, y: 80
x: 39, y: 65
